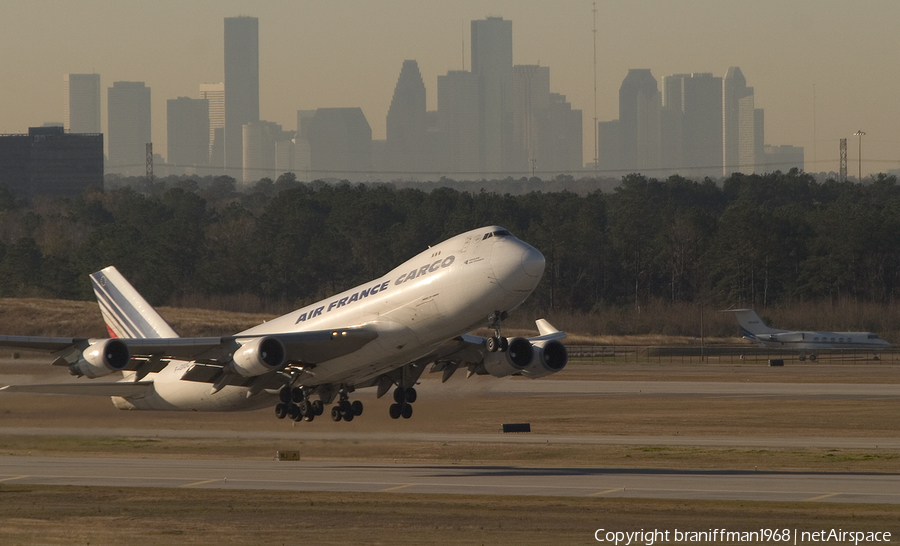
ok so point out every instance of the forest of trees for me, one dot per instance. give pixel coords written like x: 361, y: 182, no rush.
x: 752, y: 240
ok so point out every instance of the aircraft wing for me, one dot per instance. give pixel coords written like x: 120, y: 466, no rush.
x: 122, y: 388
x: 300, y: 347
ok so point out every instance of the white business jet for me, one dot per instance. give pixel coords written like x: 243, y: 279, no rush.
x: 381, y: 334
x: 806, y: 342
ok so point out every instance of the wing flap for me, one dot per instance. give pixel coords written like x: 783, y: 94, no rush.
x: 122, y: 388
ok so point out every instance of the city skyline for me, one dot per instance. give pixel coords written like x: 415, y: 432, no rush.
x: 345, y: 55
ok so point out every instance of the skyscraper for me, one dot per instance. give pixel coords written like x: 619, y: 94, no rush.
x: 691, y: 122
x: 405, y: 145
x: 639, y: 107
x: 129, y: 127
x: 531, y: 110
x: 187, y: 130
x: 215, y: 94
x: 340, y: 144
x: 82, y: 103
x: 492, y: 62
x: 241, y: 86
x: 738, y: 116
x: 459, y: 122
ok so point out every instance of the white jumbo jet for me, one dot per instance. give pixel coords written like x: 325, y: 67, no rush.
x: 381, y: 334
x: 806, y: 342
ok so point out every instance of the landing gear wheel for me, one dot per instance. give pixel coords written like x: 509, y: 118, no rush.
x: 395, y: 411
x: 297, y: 395
x: 294, y: 413
x: 492, y: 343
x: 281, y: 410
x: 318, y: 407
x: 411, y: 395
x: 504, y: 344
x: 356, y: 407
x: 285, y: 395
x: 400, y: 395
x: 406, y: 411
x: 304, y: 408
x: 336, y: 414
x: 813, y: 358
x: 310, y: 416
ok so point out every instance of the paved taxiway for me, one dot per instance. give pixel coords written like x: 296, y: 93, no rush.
x: 292, y: 434
x: 453, y: 479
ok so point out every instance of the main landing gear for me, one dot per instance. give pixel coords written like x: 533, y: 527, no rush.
x: 296, y: 405
x: 402, y: 406
x: 345, y: 409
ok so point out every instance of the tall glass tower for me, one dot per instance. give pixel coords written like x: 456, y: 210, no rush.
x: 492, y: 62
x: 82, y: 103
x: 241, y: 86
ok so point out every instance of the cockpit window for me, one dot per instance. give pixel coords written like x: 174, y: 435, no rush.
x: 498, y: 233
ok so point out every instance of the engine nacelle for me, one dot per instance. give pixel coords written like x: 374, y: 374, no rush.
x: 102, y: 358
x: 549, y: 357
x: 257, y: 357
x: 515, y: 359
x: 788, y: 337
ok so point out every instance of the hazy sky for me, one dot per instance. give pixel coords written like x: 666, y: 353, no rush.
x: 821, y: 69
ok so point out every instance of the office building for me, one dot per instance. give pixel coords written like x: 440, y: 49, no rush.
x: 531, y: 111
x: 241, y: 86
x: 340, y: 144
x: 639, y: 109
x: 215, y: 94
x: 405, y: 147
x: 492, y: 62
x: 458, y: 120
x: 187, y: 131
x: 82, y: 103
x: 129, y: 127
x: 50, y: 162
x: 738, y: 115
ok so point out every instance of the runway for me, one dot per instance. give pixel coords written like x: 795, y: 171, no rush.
x: 453, y: 479
x: 292, y: 435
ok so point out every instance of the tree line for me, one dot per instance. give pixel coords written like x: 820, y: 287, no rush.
x: 750, y: 240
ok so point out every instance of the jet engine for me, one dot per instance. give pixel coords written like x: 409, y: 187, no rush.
x: 102, y: 358
x: 257, y: 357
x: 515, y: 359
x: 787, y: 337
x: 549, y: 357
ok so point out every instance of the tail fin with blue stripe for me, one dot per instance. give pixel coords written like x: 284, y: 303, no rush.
x: 126, y: 312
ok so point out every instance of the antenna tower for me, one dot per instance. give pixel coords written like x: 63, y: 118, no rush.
x: 595, y: 129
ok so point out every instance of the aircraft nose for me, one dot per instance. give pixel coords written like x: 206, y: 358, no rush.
x: 533, y: 262
x: 517, y: 266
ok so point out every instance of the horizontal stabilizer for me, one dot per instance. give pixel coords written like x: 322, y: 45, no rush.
x: 123, y: 388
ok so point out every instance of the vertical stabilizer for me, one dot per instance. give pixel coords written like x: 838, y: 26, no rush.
x: 751, y: 324
x: 126, y: 312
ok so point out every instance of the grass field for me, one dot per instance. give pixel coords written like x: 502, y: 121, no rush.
x: 40, y: 515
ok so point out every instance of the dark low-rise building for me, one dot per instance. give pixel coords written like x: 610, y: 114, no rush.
x: 49, y: 161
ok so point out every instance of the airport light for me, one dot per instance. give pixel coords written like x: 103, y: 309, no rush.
x: 860, y: 134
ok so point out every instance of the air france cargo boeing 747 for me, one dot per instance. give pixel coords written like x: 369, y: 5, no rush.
x: 381, y: 334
